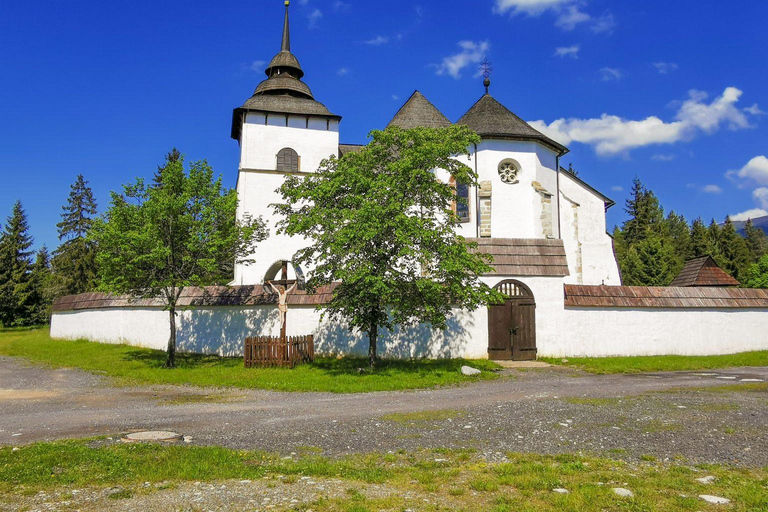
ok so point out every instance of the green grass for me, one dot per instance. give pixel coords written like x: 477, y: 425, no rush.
x: 131, y: 365
x: 641, y: 364
x: 524, y: 482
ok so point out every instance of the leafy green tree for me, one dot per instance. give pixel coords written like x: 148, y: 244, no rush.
x: 15, y: 267
x: 757, y: 242
x: 382, y: 226
x: 757, y: 274
x: 180, y: 231
x: 699, y: 239
x: 74, y: 262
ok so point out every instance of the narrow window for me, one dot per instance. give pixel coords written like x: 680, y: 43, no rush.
x: 288, y: 160
x: 460, y: 206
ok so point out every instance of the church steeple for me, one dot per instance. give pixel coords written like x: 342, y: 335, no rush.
x: 286, y: 30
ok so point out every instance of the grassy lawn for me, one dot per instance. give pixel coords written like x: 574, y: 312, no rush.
x: 447, y: 479
x: 641, y: 364
x: 131, y: 365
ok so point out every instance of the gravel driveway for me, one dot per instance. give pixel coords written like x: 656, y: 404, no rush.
x: 549, y: 410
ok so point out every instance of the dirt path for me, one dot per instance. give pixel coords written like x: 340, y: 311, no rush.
x: 544, y: 411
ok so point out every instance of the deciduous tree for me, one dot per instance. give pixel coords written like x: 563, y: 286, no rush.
x: 180, y: 231
x: 381, y: 225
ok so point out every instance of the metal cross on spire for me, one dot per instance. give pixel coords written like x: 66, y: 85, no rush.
x: 486, y: 70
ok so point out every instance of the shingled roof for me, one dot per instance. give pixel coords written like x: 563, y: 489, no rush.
x: 253, y: 295
x: 524, y: 256
x: 491, y: 119
x: 667, y: 297
x: 418, y: 111
x: 703, y: 271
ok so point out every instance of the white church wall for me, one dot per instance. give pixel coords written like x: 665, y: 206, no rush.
x: 596, y: 264
x: 605, y: 332
x: 546, y: 176
x: 516, y: 207
x: 263, y: 138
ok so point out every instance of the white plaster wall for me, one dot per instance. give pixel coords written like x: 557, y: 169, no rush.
x: 516, y: 209
x: 599, y: 264
x: 603, y: 332
x: 263, y: 138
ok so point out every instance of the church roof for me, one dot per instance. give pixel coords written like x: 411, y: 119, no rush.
x: 490, y: 119
x: 418, y: 111
x: 282, y: 92
x: 703, y: 271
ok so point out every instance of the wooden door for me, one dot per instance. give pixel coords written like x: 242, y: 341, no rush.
x: 512, y: 325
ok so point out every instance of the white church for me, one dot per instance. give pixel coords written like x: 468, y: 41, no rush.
x: 544, y: 227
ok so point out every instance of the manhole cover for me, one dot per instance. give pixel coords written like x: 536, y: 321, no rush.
x: 150, y: 436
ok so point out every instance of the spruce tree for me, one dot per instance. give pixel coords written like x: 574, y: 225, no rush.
x: 15, y: 268
x: 678, y: 233
x: 38, y: 311
x: 644, y: 212
x: 699, y: 239
x: 74, y: 262
x: 735, y: 257
x: 757, y: 242
x: 714, y: 248
x: 650, y: 263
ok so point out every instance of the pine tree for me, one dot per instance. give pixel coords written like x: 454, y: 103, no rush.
x: 699, y: 239
x: 74, y: 262
x: 735, y: 257
x: 645, y: 214
x: 678, y: 232
x: 650, y: 263
x: 15, y: 268
x: 757, y: 242
x: 713, y: 245
x: 40, y: 302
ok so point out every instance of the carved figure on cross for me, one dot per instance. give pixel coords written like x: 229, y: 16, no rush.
x: 282, y: 302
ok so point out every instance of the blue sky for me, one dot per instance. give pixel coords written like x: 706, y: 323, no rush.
x: 670, y: 91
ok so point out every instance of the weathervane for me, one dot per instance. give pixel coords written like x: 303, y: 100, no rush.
x: 486, y: 70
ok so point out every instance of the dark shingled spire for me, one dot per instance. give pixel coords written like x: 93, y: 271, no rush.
x: 490, y: 119
x: 419, y: 112
x: 282, y: 92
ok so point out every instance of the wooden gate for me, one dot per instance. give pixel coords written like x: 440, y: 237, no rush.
x: 512, y: 325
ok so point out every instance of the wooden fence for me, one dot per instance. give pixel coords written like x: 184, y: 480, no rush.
x: 274, y: 351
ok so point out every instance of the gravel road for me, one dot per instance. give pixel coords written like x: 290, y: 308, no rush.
x: 549, y: 410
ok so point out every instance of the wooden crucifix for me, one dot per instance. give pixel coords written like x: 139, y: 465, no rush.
x: 279, y: 287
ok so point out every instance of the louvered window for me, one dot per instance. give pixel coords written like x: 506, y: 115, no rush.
x: 288, y: 160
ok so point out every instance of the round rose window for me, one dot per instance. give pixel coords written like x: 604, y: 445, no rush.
x: 508, y: 172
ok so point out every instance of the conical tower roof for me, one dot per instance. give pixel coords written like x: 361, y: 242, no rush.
x: 418, y: 111
x: 283, y: 91
x: 490, y: 119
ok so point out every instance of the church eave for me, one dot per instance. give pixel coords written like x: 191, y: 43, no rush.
x: 238, y: 119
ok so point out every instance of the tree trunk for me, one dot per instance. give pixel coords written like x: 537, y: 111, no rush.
x: 171, y: 361
x: 373, y: 335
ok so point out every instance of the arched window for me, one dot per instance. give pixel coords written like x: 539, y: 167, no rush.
x: 288, y: 160
x: 460, y: 207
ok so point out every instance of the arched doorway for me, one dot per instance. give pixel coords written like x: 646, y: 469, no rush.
x: 286, y: 273
x: 512, y: 325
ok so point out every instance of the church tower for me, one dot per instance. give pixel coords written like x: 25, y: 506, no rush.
x: 281, y: 130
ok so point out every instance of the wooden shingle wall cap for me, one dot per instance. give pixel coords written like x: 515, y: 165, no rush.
x: 667, y: 297
x: 535, y: 257
x: 254, y: 295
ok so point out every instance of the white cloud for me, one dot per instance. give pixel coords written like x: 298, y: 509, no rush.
x: 611, y: 135
x: 711, y: 189
x: 663, y: 157
x: 338, y: 5
x: 314, y: 17
x: 749, y: 214
x: 378, y: 41
x: 604, y: 24
x: 529, y: 7
x: 471, y: 53
x: 342, y: 71
x: 761, y: 196
x: 756, y: 171
x: 568, y: 51
x: 665, y: 68
x: 617, y: 188
x: 611, y: 74
x: 303, y: 2
x: 395, y: 97
x: 754, y: 110
x: 258, y: 66
x: 571, y: 16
